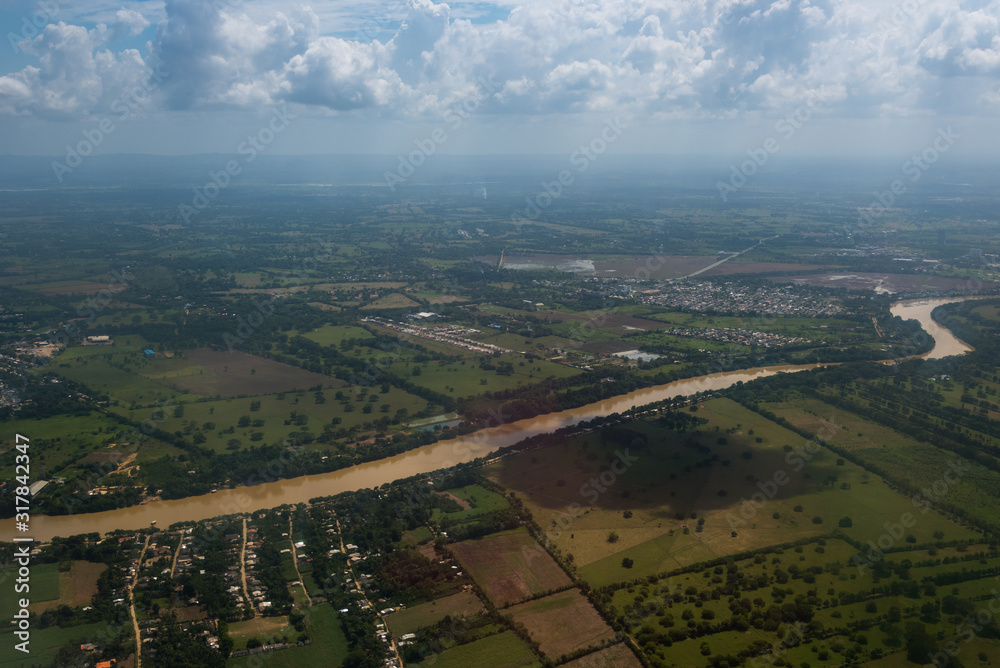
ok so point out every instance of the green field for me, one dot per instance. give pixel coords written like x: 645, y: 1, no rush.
x: 57, y: 441
x: 409, y: 620
x: 44, y: 585
x: 685, y: 479
x: 327, y: 648
x: 465, y: 378
x: 333, y: 335
x: 480, y: 500
x: 818, y: 575
x: 45, y: 643
x: 299, y: 409
x: 503, y: 650
x: 916, y: 463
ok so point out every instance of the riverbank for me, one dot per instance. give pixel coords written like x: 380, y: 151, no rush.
x: 438, y: 455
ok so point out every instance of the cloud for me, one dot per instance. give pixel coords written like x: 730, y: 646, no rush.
x: 674, y: 58
x: 129, y: 22
x: 75, y: 74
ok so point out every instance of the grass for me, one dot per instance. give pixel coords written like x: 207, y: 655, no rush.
x: 503, y: 650
x: 327, y: 648
x: 56, y: 441
x: 332, y: 335
x: 417, y: 536
x: 262, y: 628
x: 465, y: 378
x: 907, y: 460
x: 44, y: 586
x: 392, y: 300
x: 274, y: 410
x: 676, y: 484
x: 478, y: 497
x: 409, y: 620
x: 45, y: 643
x: 833, y: 580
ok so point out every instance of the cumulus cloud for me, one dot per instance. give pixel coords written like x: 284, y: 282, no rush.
x: 75, y: 74
x: 677, y: 58
x: 129, y: 22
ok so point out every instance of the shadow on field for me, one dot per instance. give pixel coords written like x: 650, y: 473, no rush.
x: 665, y: 474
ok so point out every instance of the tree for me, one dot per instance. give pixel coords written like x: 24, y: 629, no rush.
x: 845, y: 522
x: 612, y: 537
x: 918, y: 643
x: 627, y: 563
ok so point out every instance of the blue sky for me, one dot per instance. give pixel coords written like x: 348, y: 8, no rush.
x: 864, y: 77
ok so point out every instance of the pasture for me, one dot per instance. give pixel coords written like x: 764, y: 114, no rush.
x: 688, y: 497
x: 501, y: 650
x: 327, y: 647
x: 409, y: 620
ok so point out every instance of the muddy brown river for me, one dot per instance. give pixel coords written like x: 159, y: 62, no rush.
x: 428, y: 458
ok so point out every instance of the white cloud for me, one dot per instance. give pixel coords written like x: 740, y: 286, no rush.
x: 678, y: 58
x: 130, y: 21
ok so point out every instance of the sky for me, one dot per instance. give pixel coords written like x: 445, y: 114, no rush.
x: 729, y: 77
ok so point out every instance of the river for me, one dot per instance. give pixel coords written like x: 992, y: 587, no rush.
x: 946, y: 344
x: 438, y: 455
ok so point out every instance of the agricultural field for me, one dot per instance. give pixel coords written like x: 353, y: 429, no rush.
x: 275, y: 417
x: 737, y: 482
x: 392, y: 300
x: 334, y: 335
x: 915, y: 463
x: 675, y: 618
x: 44, y: 591
x: 212, y: 373
x: 474, y: 500
x: 501, y: 650
x: 562, y: 623
x: 131, y: 377
x: 75, y: 587
x: 407, y: 621
x: 616, y: 656
x: 468, y: 377
x: 45, y: 643
x: 327, y: 646
x: 63, y: 440
x: 510, y: 567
